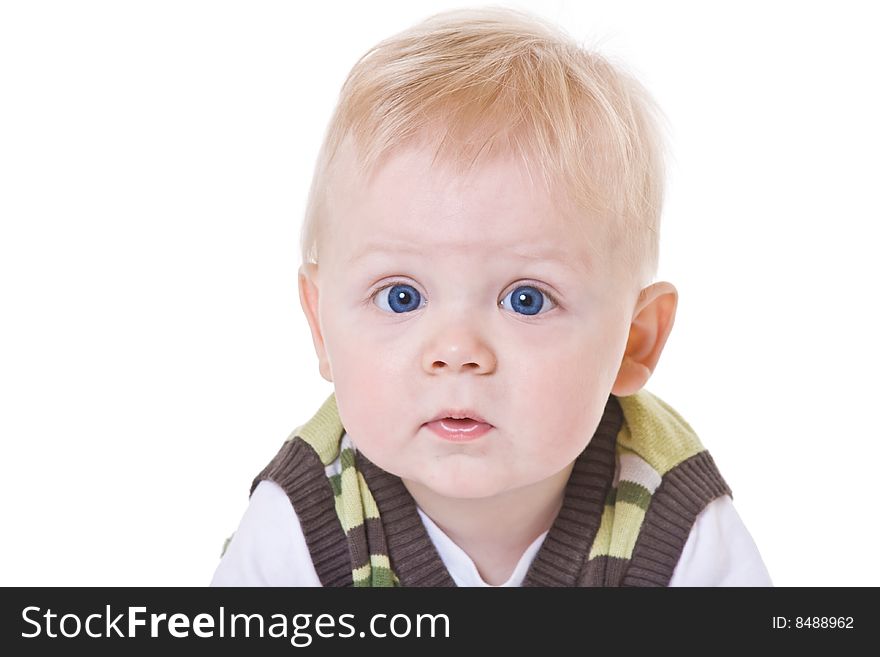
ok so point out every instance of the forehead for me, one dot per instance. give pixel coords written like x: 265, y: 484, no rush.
x: 414, y: 205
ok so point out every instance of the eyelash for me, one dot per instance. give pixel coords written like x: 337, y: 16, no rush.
x: 533, y: 284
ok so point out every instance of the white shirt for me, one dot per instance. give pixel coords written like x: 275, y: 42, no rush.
x: 269, y: 549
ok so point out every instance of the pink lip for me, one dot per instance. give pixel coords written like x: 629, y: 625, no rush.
x: 458, y: 430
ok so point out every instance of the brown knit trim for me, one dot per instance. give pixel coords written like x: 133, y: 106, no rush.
x: 563, y: 552
x: 603, y: 570
x: 414, y: 558
x: 684, y: 491
x: 358, y: 545
x: 298, y: 470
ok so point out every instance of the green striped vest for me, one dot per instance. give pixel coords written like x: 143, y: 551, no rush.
x: 629, y: 504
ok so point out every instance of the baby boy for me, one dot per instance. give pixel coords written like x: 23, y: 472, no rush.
x: 478, y: 249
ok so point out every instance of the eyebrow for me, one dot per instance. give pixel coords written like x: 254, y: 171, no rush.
x: 544, y: 253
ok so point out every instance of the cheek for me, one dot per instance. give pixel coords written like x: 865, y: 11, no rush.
x: 372, y: 394
x: 559, y: 401
x: 360, y: 364
x: 561, y: 368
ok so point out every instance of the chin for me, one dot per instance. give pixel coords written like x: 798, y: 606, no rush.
x: 467, y: 489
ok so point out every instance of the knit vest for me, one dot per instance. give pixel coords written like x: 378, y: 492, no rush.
x: 628, y: 507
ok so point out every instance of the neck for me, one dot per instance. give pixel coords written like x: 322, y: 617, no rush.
x: 495, y: 531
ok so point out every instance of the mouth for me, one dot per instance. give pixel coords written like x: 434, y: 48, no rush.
x: 459, y: 429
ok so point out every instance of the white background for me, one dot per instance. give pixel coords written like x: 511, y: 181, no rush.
x: 154, y: 164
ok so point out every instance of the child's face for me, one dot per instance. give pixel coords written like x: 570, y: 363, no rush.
x: 452, y: 334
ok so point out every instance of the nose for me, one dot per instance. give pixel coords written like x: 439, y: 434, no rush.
x: 457, y: 350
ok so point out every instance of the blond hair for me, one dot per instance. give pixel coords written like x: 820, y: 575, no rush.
x: 498, y: 80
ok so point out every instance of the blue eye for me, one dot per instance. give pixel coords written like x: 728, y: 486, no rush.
x: 400, y: 298
x: 527, y: 299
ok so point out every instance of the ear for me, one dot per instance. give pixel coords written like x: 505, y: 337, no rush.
x: 652, y: 322
x: 308, y: 299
